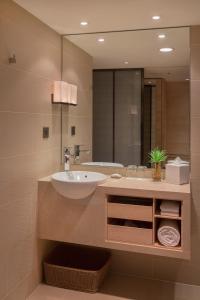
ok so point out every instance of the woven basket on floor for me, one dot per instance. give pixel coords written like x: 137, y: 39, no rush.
x: 76, y: 267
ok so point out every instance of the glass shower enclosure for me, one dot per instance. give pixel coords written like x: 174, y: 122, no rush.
x: 117, y: 109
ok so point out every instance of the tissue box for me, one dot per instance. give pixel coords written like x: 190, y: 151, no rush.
x: 177, y: 172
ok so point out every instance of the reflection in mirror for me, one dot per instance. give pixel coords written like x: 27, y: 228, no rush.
x: 140, y: 93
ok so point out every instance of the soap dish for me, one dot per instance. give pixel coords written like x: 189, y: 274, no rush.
x: 116, y: 176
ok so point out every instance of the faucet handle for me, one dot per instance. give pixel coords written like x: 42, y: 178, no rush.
x: 67, y: 149
x: 67, y: 153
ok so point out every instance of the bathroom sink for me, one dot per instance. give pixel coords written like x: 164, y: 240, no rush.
x: 76, y: 184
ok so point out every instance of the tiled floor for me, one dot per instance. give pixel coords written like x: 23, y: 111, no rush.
x: 118, y: 287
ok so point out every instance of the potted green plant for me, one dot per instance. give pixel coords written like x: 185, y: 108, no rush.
x: 157, y: 156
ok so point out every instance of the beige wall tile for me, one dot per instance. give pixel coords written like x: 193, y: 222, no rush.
x: 42, y: 58
x: 83, y: 135
x: 76, y: 72
x: 29, y: 93
x: 83, y: 130
x: 195, y: 61
x: 178, y: 271
x: 3, y: 281
x: 195, y: 108
x: 195, y: 165
x: 29, y: 167
x: 195, y: 187
x: 195, y: 96
x: 195, y: 136
x: 178, y: 119
x: 22, y: 18
x: 18, y: 214
x: 24, y: 156
x: 23, y: 133
x: 127, y: 263
x: 77, y: 69
x: 84, y: 107
x: 19, y: 134
x: 20, y: 292
x: 178, y: 149
x: 20, y: 260
x: 195, y: 35
x: 81, y: 56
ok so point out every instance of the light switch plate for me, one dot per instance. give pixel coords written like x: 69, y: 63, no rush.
x: 73, y: 130
x: 45, y: 133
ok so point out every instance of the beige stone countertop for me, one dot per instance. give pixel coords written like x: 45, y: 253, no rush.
x: 143, y: 186
x: 130, y: 184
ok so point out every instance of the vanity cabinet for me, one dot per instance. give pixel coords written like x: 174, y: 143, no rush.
x: 122, y: 214
x: 133, y: 220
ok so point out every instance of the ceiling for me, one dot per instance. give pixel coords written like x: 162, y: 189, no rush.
x: 65, y: 16
x: 141, y: 50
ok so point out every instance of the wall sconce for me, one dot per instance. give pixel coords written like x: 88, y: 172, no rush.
x: 73, y: 94
x: 64, y: 93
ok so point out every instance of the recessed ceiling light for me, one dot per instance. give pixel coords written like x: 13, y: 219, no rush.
x: 162, y: 36
x: 187, y: 79
x: 126, y: 62
x: 156, y: 18
x: 166, y: 50
x: 149, y: 82
x: 84, y: 23
x: 101, y: 40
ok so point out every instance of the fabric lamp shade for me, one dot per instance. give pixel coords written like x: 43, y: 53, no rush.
x: 73, y: 94
x: 64, y: 92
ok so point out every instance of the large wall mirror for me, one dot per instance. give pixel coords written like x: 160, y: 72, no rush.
x: 140, y: 93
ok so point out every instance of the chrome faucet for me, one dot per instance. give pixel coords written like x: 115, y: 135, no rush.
x: 77, y: 152
x: 66, y: 159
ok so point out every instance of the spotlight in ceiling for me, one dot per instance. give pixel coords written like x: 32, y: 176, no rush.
x: 187, y: 79
x: 162, y: 36
x: 166, y: 50
x: 101, y: 40
x: 84, y: 23
x: 126, y: 62
x: 156, y: 18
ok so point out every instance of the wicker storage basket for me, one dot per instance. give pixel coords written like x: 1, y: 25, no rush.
x: 76, y: 267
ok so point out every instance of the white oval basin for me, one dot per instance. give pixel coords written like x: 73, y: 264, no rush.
x: 102, y: 164
x: 76, y: 184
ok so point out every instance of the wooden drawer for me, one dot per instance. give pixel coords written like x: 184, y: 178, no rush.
x: 133, y: 235
x: 130, y: 211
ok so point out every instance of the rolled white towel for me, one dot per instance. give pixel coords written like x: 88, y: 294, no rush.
x: 169, y: 233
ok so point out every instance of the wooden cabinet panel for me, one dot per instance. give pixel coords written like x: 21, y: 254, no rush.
x: 130, y: 212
